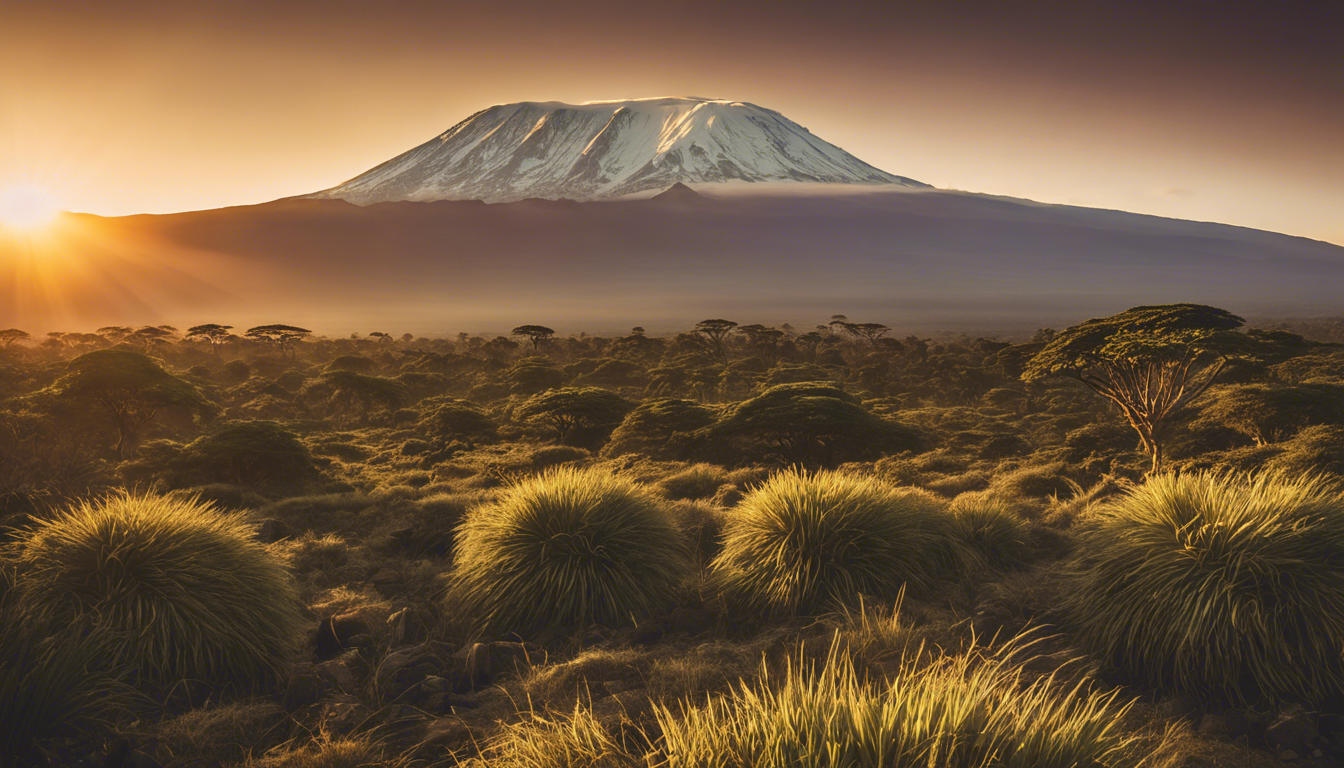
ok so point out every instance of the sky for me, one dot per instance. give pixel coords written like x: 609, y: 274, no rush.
x: 1215, y: 111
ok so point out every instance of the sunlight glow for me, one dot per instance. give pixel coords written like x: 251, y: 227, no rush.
x: 26, y: 207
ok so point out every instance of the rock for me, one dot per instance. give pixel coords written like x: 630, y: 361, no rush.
x: 1289, y: 755
x: 342, y: 714
x: 1214, y: 727
x: 304, y: 687
x: 339, y: 672
x: 1294, y: 730
x: 1183, y: 707
x: 445, y: 732
x: 487, y: 661
x: 335, y: 634
x: 403, y: 669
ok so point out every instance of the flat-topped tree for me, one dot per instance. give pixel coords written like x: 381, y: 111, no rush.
x: 717, y: 331
x: 1150, y: 361
x: 282, y: 336
x: 11, y: 335
x: 130, y: 387
x: 534, y: 333
x: 212, y: 332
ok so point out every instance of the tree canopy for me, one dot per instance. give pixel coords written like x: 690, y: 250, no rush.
x: 1150, y: 361
x: 132, y: 388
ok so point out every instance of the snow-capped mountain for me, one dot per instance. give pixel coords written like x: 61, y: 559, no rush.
x: 607, y: 149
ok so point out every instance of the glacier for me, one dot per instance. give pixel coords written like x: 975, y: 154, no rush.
x: 607, y: 149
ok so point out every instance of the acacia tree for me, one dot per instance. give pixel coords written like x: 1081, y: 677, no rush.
x: 282, y: 336
x: 717, y: 331
x: 129, y: 387
x: 11, y: 335
x: 574, y: 410
x: 1150, y: 361
x: 534, y: 333
x: 212, y: 332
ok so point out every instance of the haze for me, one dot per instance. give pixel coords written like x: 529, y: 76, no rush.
x: 1226, y: 112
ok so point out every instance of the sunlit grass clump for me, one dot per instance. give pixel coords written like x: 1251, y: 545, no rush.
x: 806, y: 542
x: 972, y: 710
x: 984, y: 531
x: 187, y: 593
x: 1226, y: 586
x: 568, y: 548
x: 50, y: 679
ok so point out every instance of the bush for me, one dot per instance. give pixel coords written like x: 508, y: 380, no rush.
x: 582, y: 416
x: 445, y: 420
x: 653, y: 427
x: 813, y: 424
x: 803, y: 542
x: 356, y: 363
x: 252, y: 453
x: 567, y: 548
x: 969, y: 710
x: 985, y: 532
x: 1219, y: 585
x: 698, y: 481
x: 189, y: 593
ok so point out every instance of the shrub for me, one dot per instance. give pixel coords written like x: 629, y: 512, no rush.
x: 446, y: 419
x: 1267, y: 414
x: 567, y: 548
x: 805, y: 542
x: 1219, y: 585
x: 971, y: 710
x: 985, y: 532
x: 653, y: 427
x: 249, y: 453
x: 356, y: 363
x: 698, y: 481
x: 815, y: 424
x: 532, y: 375
x: 189, y: 592
x: 578, y: 415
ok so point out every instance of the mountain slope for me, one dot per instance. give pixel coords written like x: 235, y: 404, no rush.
x: 914, y: 260
x: 607, y: 149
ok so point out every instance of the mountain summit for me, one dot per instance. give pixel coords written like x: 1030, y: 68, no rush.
x: 605, y: 149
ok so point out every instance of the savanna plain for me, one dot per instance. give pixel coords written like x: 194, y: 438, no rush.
x: 1119, y: 543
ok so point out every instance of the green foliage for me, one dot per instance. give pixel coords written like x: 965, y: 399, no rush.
x: 187, y: 592
x: 52, y: 678
x: 969, y: 711
x: 356, y: 363
x: 1268, y: 414
x: 128, y: 386
x: 532, y: 375
x: 803, y: 543
x: 809, y: 423
x: 580, y: 415
x: 984, y: 531
x: 349, y: 397
x: 1224, y: 586
x: 444, y: 419
x: 252, y: 453
x: 1150, y: 361
x: 567, y: 549
x: 653, y: 428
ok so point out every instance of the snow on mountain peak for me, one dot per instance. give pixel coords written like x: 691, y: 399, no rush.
x: 603, y: 149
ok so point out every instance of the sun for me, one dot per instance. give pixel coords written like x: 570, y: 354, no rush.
x: 26, y: 207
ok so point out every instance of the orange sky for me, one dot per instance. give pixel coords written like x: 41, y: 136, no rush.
x: 1220, y: 111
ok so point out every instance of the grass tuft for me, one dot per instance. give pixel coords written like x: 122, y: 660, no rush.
x: 804, y: 542
x: 1220, y: 585
x: 567, y: 548
x: 973, y: 710
x: 188, y: 593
